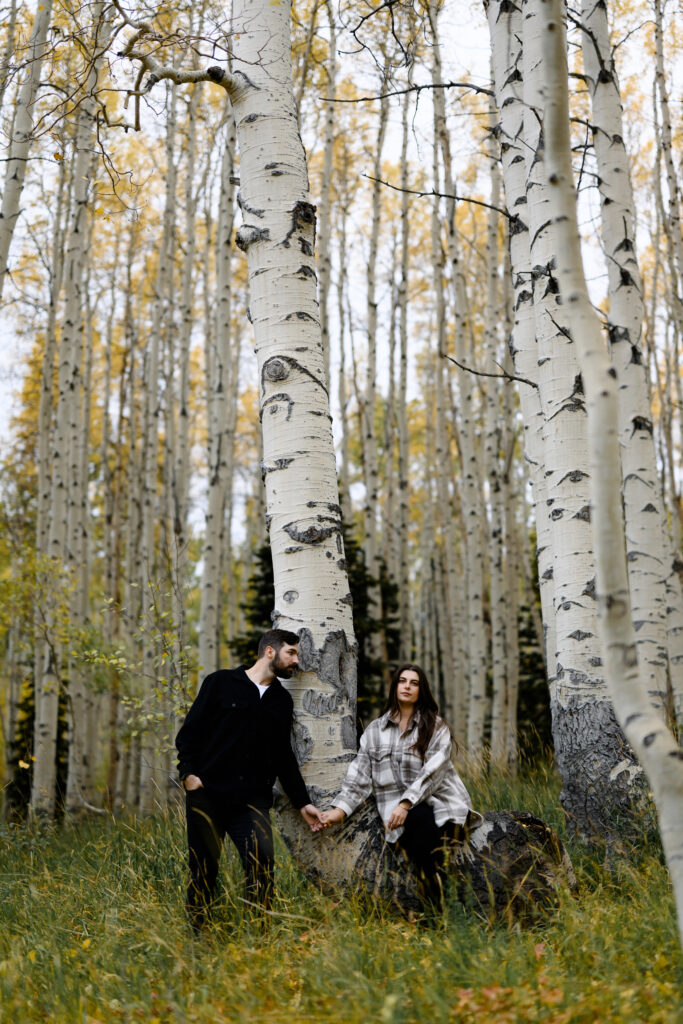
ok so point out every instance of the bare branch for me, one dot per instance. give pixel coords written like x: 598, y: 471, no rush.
x: 413, y: 88
x: 497, y: 376
x: 444, y: 195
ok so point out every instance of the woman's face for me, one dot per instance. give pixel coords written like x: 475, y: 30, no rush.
x: 408, y: 687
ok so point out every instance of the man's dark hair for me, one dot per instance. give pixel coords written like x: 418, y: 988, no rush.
x: 276, y: 638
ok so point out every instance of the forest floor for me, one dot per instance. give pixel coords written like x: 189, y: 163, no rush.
x: 92, y: 931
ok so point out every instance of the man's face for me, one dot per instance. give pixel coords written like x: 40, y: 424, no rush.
x: 286, y: 661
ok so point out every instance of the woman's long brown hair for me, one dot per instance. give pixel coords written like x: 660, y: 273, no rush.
x: 426, y: 705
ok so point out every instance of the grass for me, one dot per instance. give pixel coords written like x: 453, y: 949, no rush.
x: 92, y: 930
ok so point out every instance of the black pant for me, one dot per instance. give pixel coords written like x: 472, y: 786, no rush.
x: 208, y: 821
x: 425, y: 843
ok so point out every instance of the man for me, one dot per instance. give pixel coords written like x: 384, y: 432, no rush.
x: 233, y: 744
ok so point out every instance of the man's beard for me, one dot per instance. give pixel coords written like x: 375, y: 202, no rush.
x: 283, y: 671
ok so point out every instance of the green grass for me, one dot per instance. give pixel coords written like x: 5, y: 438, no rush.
x: 92, y: 930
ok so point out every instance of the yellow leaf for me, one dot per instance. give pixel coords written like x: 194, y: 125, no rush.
x: 32, y: 956
x: 86, y: 943
x: 23, y: 764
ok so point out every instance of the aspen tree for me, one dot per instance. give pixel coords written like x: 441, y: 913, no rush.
x: 493, y: 445
x: 368, y: 400
x: 455, y: 696
x: 505, y: 30
x: 149, y: 789
x: 324, y: 233
x: 595, y: 764
x: 342, y: 286
x: 221, y: 384
x: 66, y: 524
x: 649, y: 736
x: 404, y: 612
x: 473, y: 624
x: 642, y: 498
x: 303, y: 514
x: 22, y: 133
x: 8, y: 49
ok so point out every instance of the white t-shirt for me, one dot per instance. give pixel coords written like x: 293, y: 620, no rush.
x: 261, y: 688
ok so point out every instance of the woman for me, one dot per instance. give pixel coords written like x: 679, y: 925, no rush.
x: 404, y: 760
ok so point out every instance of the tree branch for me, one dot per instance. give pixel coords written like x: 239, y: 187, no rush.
x: 444, y: 195
x: 496, y: 376
x: 413, y: 88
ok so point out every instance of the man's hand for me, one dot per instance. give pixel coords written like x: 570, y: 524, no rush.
x: 191, y: 782
x: 398, y: 815
x: 332, y: 817
x: 312, y: 817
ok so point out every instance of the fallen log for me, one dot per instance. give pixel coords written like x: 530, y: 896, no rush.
x: 510, y: 867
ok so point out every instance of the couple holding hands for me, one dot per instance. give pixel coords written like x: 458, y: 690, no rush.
x: 236, y: 740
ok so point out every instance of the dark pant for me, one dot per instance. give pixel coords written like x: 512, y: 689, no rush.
x: 208, y: 821
x: 425, y: 843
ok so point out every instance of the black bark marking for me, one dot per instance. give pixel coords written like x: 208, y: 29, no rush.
x: 290, y: 596
x: 320, y: 704
x: 244, y: 206
x: 313, y: 534
x: 274, y: 467
x: 334, y: 663
x: 272, y: 402
x: 303, y: 216
x: 575, y: 476
x: 299, y: 315
x: 649, y: 508
x: 348, y: 732
x: 649, y: 739
x: 303, y: 272
x: 579, y: 634
x: 589, y: 589
x: 279, y: 367
x: 302, y: 742
x: 248, y: 234
x: 583, y: 513
x: 641, y: 423
x: 589, y: 743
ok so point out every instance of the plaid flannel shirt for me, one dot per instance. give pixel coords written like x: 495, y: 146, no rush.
x: 388, y: 767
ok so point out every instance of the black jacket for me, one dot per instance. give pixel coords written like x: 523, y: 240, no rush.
x: 238, y: 742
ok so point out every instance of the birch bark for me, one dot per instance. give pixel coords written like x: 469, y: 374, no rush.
x: 654, y: 744
x: 473, y: 625
x: 596, y: 765
x: 66, y: 526
x: 20, y: 143
x: 221, y: 385
x: 303, y: 512
x: 148, y: 567
x: 642, y: 498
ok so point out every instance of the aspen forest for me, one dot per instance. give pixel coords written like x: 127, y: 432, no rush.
x: 361, y: 319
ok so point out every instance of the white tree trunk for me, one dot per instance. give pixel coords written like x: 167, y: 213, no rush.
x: 303, y: 514
x: 20, y: 143
x: 221, y: 385
x: 642, y: 496
x: 654, y: 744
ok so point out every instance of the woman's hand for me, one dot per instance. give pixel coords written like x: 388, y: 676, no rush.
x: 332, y: 817
x: 398, y: 815
x: 192, y: 782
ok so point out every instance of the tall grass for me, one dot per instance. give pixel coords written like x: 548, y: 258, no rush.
x: 93, y: 930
